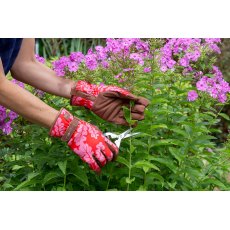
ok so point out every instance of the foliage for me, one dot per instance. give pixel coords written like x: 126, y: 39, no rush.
x: 176, y: 150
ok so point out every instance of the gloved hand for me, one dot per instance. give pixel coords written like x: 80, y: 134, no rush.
x: 107, y: 101
x: 86, y: 140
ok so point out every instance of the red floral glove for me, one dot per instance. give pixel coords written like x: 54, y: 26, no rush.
x: 86, y: 140
x: 107, y: 101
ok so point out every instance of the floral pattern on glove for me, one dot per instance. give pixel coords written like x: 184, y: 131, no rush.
x: 61, y: 123
x: 87, y: 141
x: 80, y: 101
x: 93, y: 90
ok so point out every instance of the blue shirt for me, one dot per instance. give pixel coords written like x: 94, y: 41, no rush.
x: 9, y: 49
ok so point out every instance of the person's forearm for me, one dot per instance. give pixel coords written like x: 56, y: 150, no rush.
x: 42, y: 77
x: 25, y: 104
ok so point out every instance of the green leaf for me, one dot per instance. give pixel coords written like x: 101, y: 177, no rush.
x: 165, y: 142
x: 50, y: 176
x: 159, y: 100
x: 156, y: 86
x: 175, y: 152
x: 132, y: 148
x: 145, y: 165
x: 31, y: 180
x: 188, y: 129
x: 142, y: 188
x: 179, y: 131
x: 225, y: 116
x: 129, y: 180
x: 81, y: 175
x: 193, y: 172
x: 159, y: 126
x: 7, y: 186
x: 213, y: 181
x: 165, y: 161
x: 123, y: 161
x: 172, y: 185
x: 150, y: 177
x: 202, y: 139
x: 17, y: 167
x: 127, y: 115
x: 32, y: 175
x: 62, y: 166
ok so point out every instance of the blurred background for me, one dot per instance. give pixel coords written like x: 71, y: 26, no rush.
x: 51, y: 47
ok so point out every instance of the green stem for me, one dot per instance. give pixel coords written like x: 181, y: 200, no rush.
x: 130, y: 161
x: 110, y: 173
x: 130, y: 154
x: 64, y: 185
x: 145, y: 180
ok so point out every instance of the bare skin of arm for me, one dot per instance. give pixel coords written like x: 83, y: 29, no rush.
x: 28, y: 70
x: 24, y: 103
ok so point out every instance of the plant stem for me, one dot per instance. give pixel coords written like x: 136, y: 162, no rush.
x: 110, y: 173
x: 64, y: 182
x: 130, y: 152
x: 130, y: 161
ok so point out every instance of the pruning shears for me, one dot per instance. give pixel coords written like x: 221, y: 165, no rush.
x: 121, y: 136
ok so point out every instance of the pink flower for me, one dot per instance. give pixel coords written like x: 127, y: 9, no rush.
x: 222, y: 97
x: 164, y: 68
x: 192, y: 95
x: 73, y: 67
x: 202, y: 84
x: 101, y: 53
x: 105, y: 64
x: 214, y: 48
x: 118, y: 76
x: 209, y: 150
x: 184, y: 61
x: 137, y: 57
x: 171, y: 63
x: 90, y: 61
x: 40, y: 59
x: 77, y: 57
x: 147, y: 69
x: 128, y: 69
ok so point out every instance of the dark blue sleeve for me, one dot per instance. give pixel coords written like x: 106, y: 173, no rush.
x: 9, y: 49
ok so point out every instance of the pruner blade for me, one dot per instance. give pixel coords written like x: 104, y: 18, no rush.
x: 121, y: 136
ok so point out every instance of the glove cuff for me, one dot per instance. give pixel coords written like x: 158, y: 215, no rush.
x: 64, y: 125
x: 83, y: 94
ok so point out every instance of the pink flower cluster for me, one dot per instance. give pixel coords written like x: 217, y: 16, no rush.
x: 133, y: 49
x: 7, y: 116
x: 216, y: 86
x: 212, y: 44
x: 128, y: 48
x: 185, y: 51
x: 6, y: 120
x: 70, y: 63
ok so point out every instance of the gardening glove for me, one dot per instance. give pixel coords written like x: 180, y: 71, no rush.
x: 107, y: 101
x: 86, y: 140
